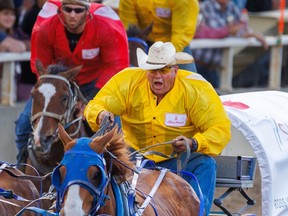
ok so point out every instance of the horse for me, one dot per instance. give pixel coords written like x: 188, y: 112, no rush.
x: 55, y: 99
x: 88, y: 178
x: 16, y: 193
x: 137, y: 38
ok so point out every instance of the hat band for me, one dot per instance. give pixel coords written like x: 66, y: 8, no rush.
x: 155, y: 63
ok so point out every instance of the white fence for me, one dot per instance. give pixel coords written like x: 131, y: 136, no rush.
x: 8, y: 84
x: 8, y: 88
x: 230, y: 44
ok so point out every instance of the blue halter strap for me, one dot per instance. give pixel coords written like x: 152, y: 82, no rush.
x: 80, y: 158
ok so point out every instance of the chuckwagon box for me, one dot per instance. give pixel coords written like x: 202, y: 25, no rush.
x: 235, y: 170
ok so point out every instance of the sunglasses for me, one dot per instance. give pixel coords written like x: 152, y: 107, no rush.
x: 76, y: 10
x: 164, y: 70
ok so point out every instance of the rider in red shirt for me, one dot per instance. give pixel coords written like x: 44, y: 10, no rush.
x: 102, y: 46
x: 75, y: 32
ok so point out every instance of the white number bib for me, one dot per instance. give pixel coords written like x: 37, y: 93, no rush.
x: 175, y: 120
x: 90, y: 53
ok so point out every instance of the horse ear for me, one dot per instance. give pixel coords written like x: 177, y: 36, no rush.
x: 99, y: 143
x: 40, y: 68
x: 71, y: 73
x: 63, y: 135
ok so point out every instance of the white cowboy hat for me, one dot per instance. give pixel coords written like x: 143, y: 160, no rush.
x: 79, y: 2
x: 160, y: 55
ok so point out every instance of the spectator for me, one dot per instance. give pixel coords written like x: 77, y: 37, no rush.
x: 11, y: 38
x: 27, y: 78
x: 173, y: 20
x: 26, y: 5
x: 77, y: 33
x: 30, y: 17
x: 159, y: 103
x: 221, y: 18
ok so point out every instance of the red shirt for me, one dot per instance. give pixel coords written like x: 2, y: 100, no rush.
x: 102, y: 48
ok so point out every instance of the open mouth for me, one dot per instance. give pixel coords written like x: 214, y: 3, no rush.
x: 158, y: 85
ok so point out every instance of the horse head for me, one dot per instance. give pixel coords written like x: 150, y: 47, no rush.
x: 55, y: 98
x: 137, y: 38
x: 82, y: 177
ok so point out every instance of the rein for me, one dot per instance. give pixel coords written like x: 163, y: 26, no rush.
x: 178, y: 156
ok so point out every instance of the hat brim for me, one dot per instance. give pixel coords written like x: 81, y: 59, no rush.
x: 178, y: 58
x: 183, y: 58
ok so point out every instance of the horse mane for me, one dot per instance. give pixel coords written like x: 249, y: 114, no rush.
x: 57, y: 68
x: 120, y: 150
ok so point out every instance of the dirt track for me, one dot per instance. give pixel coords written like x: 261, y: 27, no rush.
x: 235, y: 200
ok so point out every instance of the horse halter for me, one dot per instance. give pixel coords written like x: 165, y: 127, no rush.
x: 67, y: 116
x: 81, y: 157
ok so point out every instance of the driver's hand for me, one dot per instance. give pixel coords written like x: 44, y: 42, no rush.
x: 103, y: 114
x: 180, y: 144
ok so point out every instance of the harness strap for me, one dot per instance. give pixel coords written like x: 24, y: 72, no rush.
x: 43, y: 169
x: 119, y: 200
x: 26, y: 177
x: 10, y: 203
x: 38, y: 210
x: 55, y: 77
x: 152, y: 192
x: 8, y: 194
x: 49, y: 114
x: 23, y: 209
x: 201, y: 196
x: 138, y: 166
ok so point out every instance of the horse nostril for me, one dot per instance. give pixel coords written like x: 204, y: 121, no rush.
x: 46, y: 142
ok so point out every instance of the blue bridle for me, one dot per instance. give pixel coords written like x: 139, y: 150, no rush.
x: 77, y: 162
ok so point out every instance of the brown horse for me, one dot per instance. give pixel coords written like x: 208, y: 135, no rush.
x: 23, y: 191
x: 55, y: 99
x: 85, y: 186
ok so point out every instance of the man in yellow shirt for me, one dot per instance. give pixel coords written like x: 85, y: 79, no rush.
x: 158, y: 102
x: 173, y: 20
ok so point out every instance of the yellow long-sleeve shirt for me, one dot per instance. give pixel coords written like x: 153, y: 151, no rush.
x: 173, y: 20
x: 192, y: 108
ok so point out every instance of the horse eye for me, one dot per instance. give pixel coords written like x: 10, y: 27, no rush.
x: 96, y: 178
x: 96, y: 175
x: 65, y: 99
